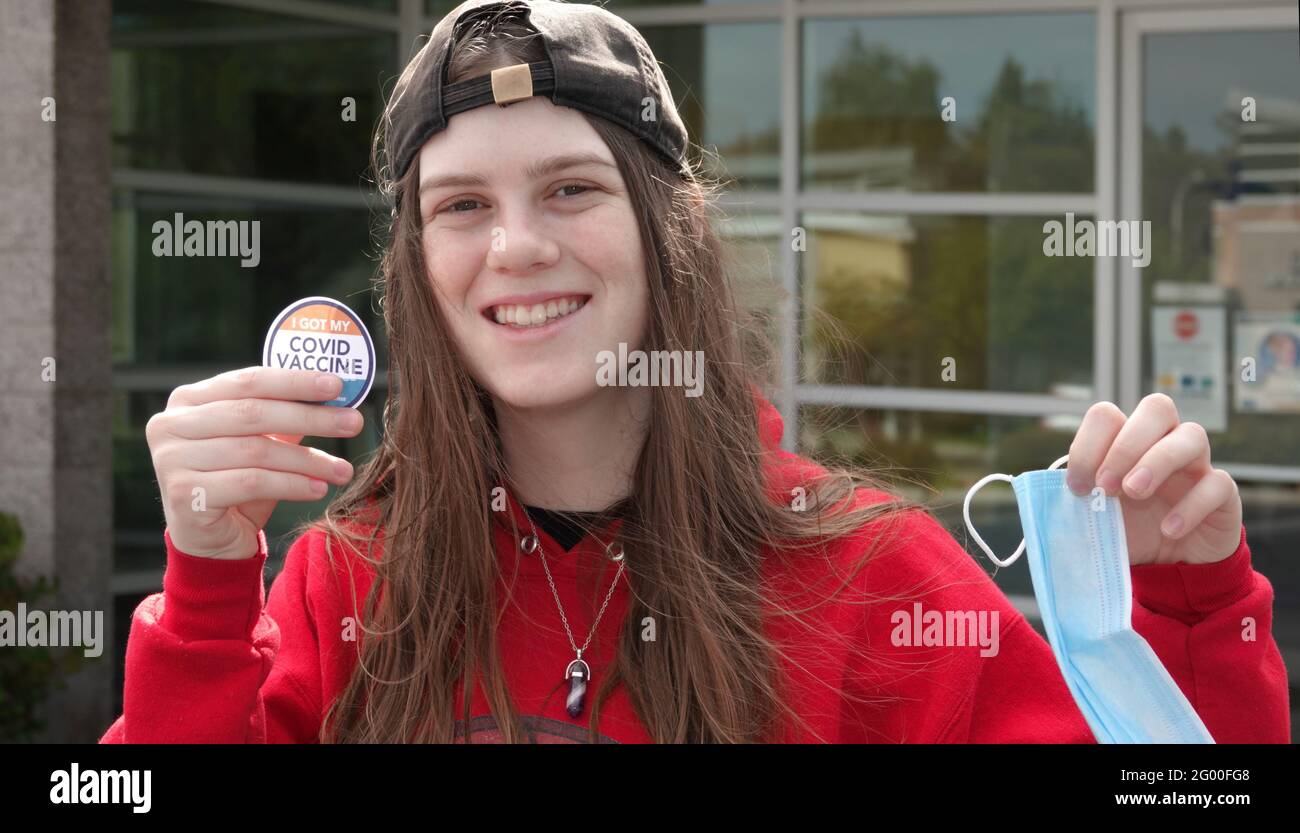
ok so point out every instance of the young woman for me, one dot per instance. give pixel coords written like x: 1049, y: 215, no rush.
x: 710, y: 586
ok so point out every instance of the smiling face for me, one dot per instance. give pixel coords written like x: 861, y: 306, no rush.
x: 532, y: 247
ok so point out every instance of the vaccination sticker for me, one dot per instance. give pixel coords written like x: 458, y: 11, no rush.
x: 321, y: 334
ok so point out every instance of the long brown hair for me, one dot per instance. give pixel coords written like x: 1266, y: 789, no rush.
x: 695, y: 526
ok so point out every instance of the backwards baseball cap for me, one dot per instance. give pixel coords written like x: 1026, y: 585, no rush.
x: 597, y: 62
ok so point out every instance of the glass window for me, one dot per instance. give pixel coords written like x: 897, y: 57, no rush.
x: 936, y: 301
x: 1221, y: 296
x: 438, y: 8
x: 729, y: 102
x: 1022, y: 112
x: 1271, y: 514
x: 211, y: 310
x: 1221, y: 189
x: 368, y: 5
x: 266, y: 90
x: 935, y: 458
x: 752, y: 241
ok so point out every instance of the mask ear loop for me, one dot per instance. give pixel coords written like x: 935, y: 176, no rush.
x: 965, y: 510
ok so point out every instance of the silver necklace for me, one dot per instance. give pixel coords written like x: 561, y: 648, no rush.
x: 577, y: 673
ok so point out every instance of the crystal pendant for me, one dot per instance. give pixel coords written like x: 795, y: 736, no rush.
x: 578, y: 673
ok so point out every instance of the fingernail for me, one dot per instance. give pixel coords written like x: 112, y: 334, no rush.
x: 1139, y: 480
x: 329, y: 384
x: 342, y: 469
x: 349, y: 420
x: 318, y: 487
x: 1075, y: 484
x: 1107, y: 481
x: 1172, y: 525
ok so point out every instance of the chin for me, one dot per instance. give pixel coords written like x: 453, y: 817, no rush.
x: 522, y: 391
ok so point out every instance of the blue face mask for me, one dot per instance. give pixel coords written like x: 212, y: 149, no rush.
x: 1078, y: 561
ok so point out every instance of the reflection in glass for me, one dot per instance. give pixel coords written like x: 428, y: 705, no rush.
x: 438, y: 8
x: 935, y: 458
x: 1221, y: 188
x: 727, y: 99
x: 371, y: 5
x: 207, y: 89
x: 753, y: 264
x: 185, y: 310
x: 933, y: 301
x: 1221, y: 298
x: 931, y: 456
x: 726, y: 94
x: 1021, y: 116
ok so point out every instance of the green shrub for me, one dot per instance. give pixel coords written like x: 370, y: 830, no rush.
x: 27, y: 674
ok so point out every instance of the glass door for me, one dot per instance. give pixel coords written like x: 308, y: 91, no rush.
x: 1210, y: 166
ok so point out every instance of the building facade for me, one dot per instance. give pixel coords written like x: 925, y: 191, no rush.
x: 896, y: 167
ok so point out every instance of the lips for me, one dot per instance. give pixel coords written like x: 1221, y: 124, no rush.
x: 526, y: 313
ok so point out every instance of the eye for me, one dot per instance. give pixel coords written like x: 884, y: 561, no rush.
x: 451, y: 208
x: 583, y: 188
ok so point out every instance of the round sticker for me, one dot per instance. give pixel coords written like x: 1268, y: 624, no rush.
x: 321, y: 334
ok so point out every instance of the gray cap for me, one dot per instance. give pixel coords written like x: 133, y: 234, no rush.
x: 598, y: 63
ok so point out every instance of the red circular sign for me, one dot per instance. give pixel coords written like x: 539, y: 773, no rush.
x: 1185, y: 324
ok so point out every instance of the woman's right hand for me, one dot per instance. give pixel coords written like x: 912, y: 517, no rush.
x: 225, y: 451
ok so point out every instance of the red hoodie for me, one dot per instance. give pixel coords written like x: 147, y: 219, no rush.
x: 208, y: 661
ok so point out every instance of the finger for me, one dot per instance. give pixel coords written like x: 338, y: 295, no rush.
x: 232, y: 487
x: 254, y: 452
x: 259, y: 383
x: 242, y: 417
x: 1209, y: 494
x: 1101, y: 424
x: 1155, y: 416
x: 1185, y: 447
x: 264, y: 508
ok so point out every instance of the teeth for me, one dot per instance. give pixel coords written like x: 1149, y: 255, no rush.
x: 537, y: 314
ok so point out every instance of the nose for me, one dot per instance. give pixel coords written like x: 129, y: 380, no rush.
x: 520, y: 242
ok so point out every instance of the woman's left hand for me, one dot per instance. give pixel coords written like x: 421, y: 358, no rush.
x: 1177, y: 507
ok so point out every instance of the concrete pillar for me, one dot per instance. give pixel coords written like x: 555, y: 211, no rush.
x: 55, y: 436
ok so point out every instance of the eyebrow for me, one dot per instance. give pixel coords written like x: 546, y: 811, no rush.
x: 544, y: 167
